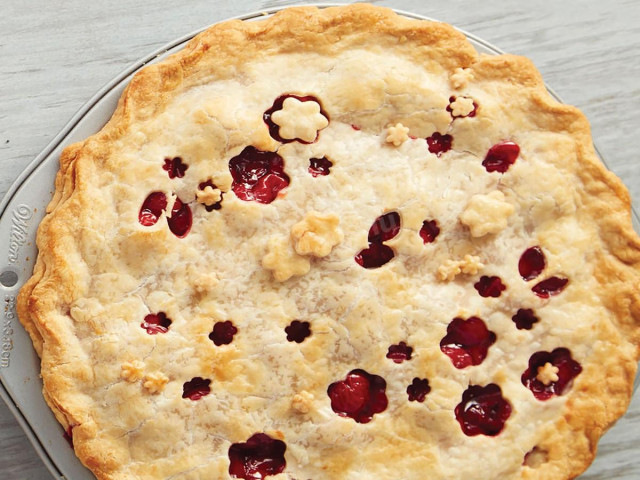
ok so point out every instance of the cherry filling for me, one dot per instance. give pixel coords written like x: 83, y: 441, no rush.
x: 257, y: 176
x: 175, y: 167
x: 550, y: 286
x: 524, y: 319
x: 217, y: 205
x: 501, y: 156
x: 298, y: 331
x: 400, y: 352
x: 467, y: 342
x: 489, y: 286
x: 156, y: 323
x: 181, y: 219
x: 429, y: 231
x: 385, y: 228
x: 450, y: 109
x: 439, y: 143
x: 152, y: 209
x: 196, y: 388
x: 320, y: 166
x: 567, y: 370
x: 483, y: 410
x: 418, y: 390
x: 360, y: 396
x: 223, y: 333
x: 274, y: 129
x: 531, y: 263
x: 258, y: 458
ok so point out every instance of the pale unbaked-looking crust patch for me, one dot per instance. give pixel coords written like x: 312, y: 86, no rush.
x: 49, y: 309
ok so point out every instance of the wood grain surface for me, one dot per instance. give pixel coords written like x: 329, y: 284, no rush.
x: 55, y: 54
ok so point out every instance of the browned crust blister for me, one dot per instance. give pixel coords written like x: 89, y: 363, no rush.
x: 44, y: 302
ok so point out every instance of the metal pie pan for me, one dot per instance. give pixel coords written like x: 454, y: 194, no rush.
x: 21, y: 210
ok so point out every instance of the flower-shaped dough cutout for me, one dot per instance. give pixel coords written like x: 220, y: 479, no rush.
x: 469, y: 265
x: 132, y: 371
x: 486, y: 214
x: 209, y: 196
x: 283, y: 261
x: 547, y: 374
x: 461, y: 107
x: 155, y: 382
x: 316, y: 234
x: 299, y: 120
x: 397, y: 134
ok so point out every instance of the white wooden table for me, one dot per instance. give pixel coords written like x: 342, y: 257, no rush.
x: 55, y: 54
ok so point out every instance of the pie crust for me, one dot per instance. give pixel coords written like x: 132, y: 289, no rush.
x: 431, y: 225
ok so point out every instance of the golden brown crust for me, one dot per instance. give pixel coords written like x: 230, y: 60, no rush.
x: 67, y: 310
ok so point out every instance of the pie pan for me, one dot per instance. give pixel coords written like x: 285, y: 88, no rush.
x: 20, y: 212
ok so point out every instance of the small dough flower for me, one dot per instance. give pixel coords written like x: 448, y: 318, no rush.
x: 302, y: 402
x: 469, y: 265
x: 548, y: 373
x: 209, y: 195
x: 282, y: 259
x: 487, y: 214
x: 460, y: 78
x: 155, y: 382
x: 397, y: 134
x: 299, y: 120
x: 132, y: 371
x: 461, y: 107
x: 316, y: 234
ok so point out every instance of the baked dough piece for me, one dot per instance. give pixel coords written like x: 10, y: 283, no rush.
x: 252, y: 272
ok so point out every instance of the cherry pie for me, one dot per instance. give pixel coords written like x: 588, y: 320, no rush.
x: 336, y: 244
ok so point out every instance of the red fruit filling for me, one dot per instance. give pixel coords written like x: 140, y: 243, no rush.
x: 489, y: 286
x: 429, y: 231
x: 568, y: 369
x: 375, y: 256
x: 180, y: 220
x: 385, y: 227
x: 175, y: 167
x: 467, y: 342
x: 258, y: 458
x: 550, y: 286
x: 196, y: 388
x: 439, y: 143
x: 257, y: 176
x: 274, y: 129
x: 217, y: 205
x: 356, y: 127
x: 297, y: 331
x: 524, y: 319
x: 532, y: 263
x: 501, y: 156
x: 471, y: 114
x: 223, y: 333
x: 320, y: 166
x: 483, y: 410
x: 152, y: 208
x: 400, y: 352
x: 360, y: 396
x: 418, y: 390
x: 156, y: 323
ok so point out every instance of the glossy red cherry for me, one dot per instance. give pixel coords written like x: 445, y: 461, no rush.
x: 196, y: 388
x: 429, y: 231
x: 217, y: 205
x: 375, y: 256
x: 257, y: 458
x: 439, y: 143
x: 467, y: 342
x: 298, y: 331
x: 524, y: 319
x: 152, y: 209
x: 400, y: 352
x: 568, y: 369
x: 320, y: 166
x: 274, y: 129
x: 385, y: 228
x: 489, y: 286
x: 450, y: 109
x: 223, y: 333
x: 175, y: 167
x: 483, y: 410
x: 550, y: 286
x: 501, y: 156
x: 156, y: 323
x: 181, y: 219
x: 532, y: 262
x: 257, y: 176
x: 418, y: 390
x: 360, y: 396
